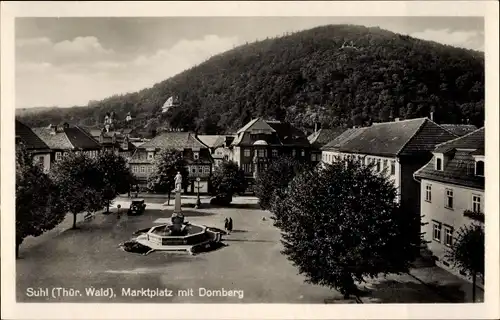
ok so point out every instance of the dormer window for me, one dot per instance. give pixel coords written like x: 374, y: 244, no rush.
x: 480, y: 168
x: 439, y: 164
x: 151, y: 155
x: 196, y: 155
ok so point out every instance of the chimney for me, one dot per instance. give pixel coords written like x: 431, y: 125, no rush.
x: 315, y: 127
x: 432, y: 116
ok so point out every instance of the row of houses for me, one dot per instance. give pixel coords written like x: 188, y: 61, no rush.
x: 438, y: 170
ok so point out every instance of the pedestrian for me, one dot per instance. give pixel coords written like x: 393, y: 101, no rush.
x: 136, y: 190
x: 226, y: 224
x: 230, y: 225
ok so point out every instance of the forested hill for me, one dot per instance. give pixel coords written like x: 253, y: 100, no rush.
x: 335, y: 75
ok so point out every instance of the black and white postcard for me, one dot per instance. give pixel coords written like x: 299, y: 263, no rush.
x: 250, y: 160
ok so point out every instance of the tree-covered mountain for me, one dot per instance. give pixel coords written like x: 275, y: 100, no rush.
x: 335, y: 75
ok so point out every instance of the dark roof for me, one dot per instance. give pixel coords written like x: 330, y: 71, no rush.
x: 277, y: 134
x: 30, y: 140
x: 407, y: 137
x: 67, y: 138
x: 342, y: 138
x: 459, y: 129
x: 324, y: 136
x: 473, y: 140
x: 288, y: 134
x: 460, y: 167
x: 174, y: 140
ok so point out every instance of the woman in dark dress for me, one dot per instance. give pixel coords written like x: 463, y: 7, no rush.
x: 230, y: 225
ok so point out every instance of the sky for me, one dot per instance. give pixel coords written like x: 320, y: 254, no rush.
x: 69, y: 61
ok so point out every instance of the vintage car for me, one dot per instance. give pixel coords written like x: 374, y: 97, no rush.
x: 136, y: 207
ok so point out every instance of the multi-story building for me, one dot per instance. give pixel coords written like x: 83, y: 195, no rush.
x: 114, y: 141
x: 259, y: 142
x: 219, y: 145
x: 39, y: 149
x: 197, y: 156
x: 396, y: 149
x: 320, y: 138
x: 452, y: 192
x: 63, y: 139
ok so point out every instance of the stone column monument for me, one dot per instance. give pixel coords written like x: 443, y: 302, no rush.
x: 177, y: 216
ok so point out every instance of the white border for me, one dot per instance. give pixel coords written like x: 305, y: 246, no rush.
x: 10, y: 309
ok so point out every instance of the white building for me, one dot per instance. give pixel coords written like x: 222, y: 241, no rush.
x: 452, y: 192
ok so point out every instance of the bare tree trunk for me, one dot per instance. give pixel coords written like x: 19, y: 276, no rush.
x: 107, y: 207
x: 474, y: 276
x: 74, y: 221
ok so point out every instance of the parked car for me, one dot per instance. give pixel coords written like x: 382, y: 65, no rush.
x: 136, y: 207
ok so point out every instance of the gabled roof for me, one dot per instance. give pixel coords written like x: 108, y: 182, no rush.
x: 324, y: 136
x: 67, y: 138
x: 459, y: 168
x: 406, y: 137
x: 212, y: 141
x: 256, y: 124
x: 459, y: 129
x: 288, y: 134
x: 345, y: 136
x: 30, y: 140
x: 174, y: 140
x: 473, y: 140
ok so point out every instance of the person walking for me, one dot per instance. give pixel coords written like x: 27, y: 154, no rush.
x: 230, y: 225
x: 226, y: 224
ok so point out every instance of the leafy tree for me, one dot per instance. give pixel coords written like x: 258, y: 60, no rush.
x: 340, y: 224
x: 166, y: 165
x: 276, y: 178
x: 227, y: 180
x: 82, y: 183
x: 117, y: 175
x: 467, y: 252
x: 38, y: 208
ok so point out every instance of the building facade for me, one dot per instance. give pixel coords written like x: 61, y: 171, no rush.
x: 199, y: 162
x: 396, y: 149
x: 452, y: 192
x: 319, y: 139
x: 219, y: 146
x: 257, y: 143
x: 40, y: 151
x: 65, y: 138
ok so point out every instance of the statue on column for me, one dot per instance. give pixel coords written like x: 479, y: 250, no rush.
x: 178, y: 182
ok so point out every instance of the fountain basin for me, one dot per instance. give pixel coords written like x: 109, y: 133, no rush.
x: 166, y: 237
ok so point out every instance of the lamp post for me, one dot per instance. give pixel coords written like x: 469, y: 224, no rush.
x: 198, y: 201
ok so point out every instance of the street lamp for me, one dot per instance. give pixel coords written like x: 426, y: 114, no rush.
x: 198, y: 201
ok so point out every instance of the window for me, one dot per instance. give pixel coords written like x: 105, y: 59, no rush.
x: 207, y: 169
x: 313, y: 157
x: 262, y: 153
x: 448, y: 236
x: 200, y: 169
x: 58, y: 155
x: 436, y: 231
x: 476, y: 203
x: 302, y: 153
x: 247, y: 167
x: 393, y: 167
x: 150, y: 155
x: 143, y: 169
x: 196, y: 155
x: 449, y: 199
x: 193, y: 169
x: 41, y: 160
x: 246, y: 152
x: 135, y: 169
x: 480, y: 168
x: 385, y: 165
x: 274, y: 153
x: 439, y: 164
x: 293, y: 152
x: 428, y: 193
x: 378, y: 165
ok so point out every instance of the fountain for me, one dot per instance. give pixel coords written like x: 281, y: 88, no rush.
x: 179, y: 235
